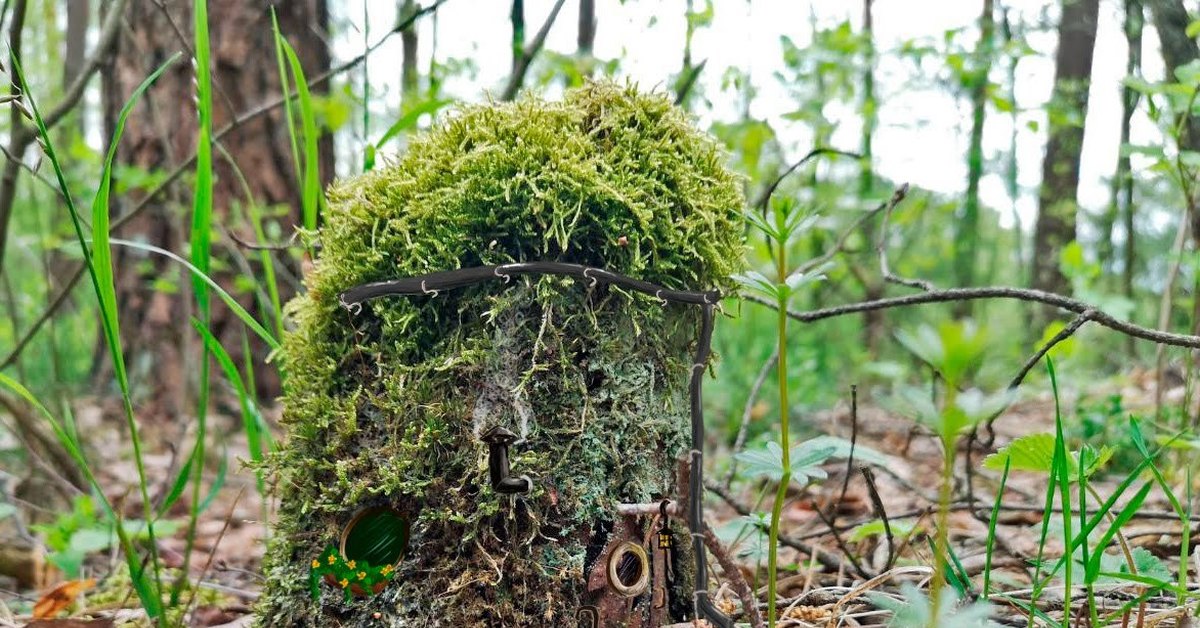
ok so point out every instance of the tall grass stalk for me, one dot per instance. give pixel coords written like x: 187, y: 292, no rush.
x: 990, y: 543
x: 781, y: 270
x: 286, y: 85
x: 1063, y: 477
x: 310, y: 197
x: 98, y: 261
x: 201, y: 255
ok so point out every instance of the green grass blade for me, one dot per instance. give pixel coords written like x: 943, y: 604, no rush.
x: 232, y: 303
x: 179, y: 485
x: 101, y: 273
x: 1121, y: 519
x: 951, y: 568
x: 264, y: 429
x: 201, y: 257
x: 991, y: 536
x: 218, y: 482
x: 1032, y: 611
x: 311, y: 183
x: 268, y: 266
x: 409, y: 119
x: 1185, y: 542
x: 1063, y: 475
x: 251, y: 418
x: 146, y: 589
x: 286, y: 84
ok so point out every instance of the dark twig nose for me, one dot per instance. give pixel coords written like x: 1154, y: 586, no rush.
x: 498, y: 439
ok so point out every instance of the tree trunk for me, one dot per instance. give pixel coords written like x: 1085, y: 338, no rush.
x: 1011, y: 171
x: 587, y: 27
x: 1121, y: 206
x: 866, y: 174
x: 517, y: 18
x: 1055, y: 226
x: 409, y: 75
x: 154, y: 294
x: 1178, y: 49
x: 78, y: 12
x: 874, y: 323
x: 966, y: 240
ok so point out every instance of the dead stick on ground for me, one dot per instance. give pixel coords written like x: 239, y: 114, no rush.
x: 881, y: 514
x: 735, y: 577
x: 826, y: 560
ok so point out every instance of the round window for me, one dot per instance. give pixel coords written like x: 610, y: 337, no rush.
x: 376, y: 536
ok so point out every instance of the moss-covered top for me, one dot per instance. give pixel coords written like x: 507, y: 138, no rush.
x: 383, y: 406
x: 608, y: 177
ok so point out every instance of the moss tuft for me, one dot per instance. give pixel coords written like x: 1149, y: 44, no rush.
x: 386, y: 407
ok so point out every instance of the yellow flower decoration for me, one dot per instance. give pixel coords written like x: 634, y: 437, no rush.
x: 387, y: 569
x: 351, y: 564
x: 345, y: 583
x: 316, y: 563
x: 362, y: 575
x: 332, y: 559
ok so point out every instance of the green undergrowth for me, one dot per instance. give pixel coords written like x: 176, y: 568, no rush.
x: 385, y: 407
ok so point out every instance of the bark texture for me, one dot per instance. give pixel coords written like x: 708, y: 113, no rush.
x: 1057, y: 206
x: 161, y: 133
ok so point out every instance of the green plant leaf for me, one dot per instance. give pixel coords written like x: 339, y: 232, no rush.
x: 874, y: 527
x: 841, y: 449
x: 758, y: 283
x: 1193, y: 29
x: 806, y: 461
x: 409, y: 119
x: 1035, y: 452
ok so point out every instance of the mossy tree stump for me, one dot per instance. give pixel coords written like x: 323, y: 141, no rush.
x: 390, y: 410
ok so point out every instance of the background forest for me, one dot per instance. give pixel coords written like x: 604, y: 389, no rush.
x: 973, y: 270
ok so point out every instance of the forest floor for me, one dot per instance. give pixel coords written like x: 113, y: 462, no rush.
x: 821, y: 583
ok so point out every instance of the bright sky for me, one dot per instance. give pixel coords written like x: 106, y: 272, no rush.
x: 923, y: 132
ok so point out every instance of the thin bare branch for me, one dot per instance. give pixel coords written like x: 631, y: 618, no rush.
x: 840, y: 245
x: 765, y: 197
x: 688, y: 83
x: 735, y: 577
x: 827, y: 560
x: 1063, y: 334
x: 522, y: 63
x: 881, y: 514
x: 951, y: 295
x: 881, y: 246
x: 21, y: 134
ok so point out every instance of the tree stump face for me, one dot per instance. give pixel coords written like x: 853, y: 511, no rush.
x: 475, y: 442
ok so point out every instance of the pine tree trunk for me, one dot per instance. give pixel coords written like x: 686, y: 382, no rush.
x: 586, y: 36
x: 409, y: 75
x: 1057, y: 207
x: 966, y: 239
x: 161, y: 133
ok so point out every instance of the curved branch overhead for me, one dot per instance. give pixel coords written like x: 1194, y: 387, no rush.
x: 951, y: 295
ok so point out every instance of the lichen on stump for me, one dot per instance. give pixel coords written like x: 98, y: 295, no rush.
x: 385, y: 408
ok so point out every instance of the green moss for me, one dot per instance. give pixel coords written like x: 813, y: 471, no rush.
x: 386, y: 407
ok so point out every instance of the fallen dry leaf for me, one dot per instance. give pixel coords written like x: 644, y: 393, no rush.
x: 59, y: 598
